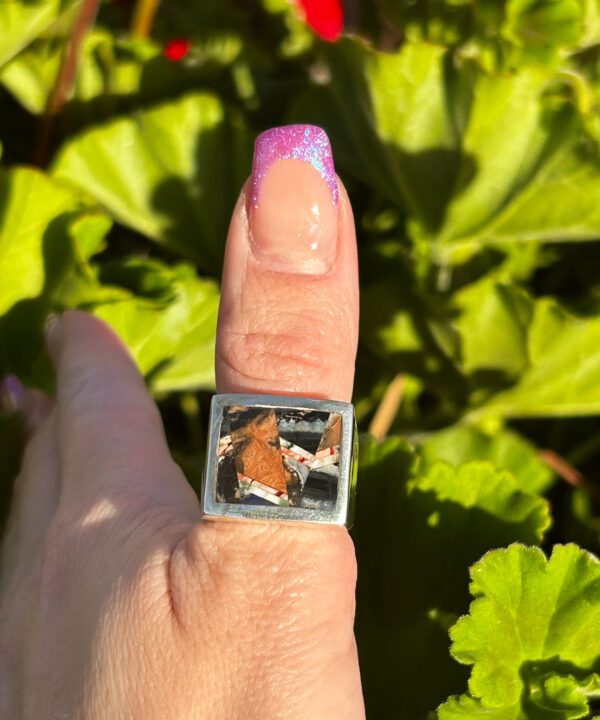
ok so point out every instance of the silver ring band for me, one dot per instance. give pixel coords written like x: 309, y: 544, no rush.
x: 272, y: 457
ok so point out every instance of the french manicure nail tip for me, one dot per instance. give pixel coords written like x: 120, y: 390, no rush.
x: 293, y: 142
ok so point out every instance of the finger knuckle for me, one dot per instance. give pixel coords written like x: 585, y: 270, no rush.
x: 265, y: 575
x: 293, y: 350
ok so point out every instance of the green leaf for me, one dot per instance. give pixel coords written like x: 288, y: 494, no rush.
x: 524, y: 357
x: 171, y: 172
x: 490, y: 181
x: 531, y: 635
x: 591, y: 23
x: 505, y: 449
x: 495, y: 492
x: 556, y: 161
x: 389, y: 123
x: 31, y: 75
x: 563, y: 376
x: 475, y: 158
x: 492, y: 345
x: 89, y: 234
x: 34, y: 213
x: 415, y: 537
x: 544, y: 22
x: 493, y: 323
x: 583, y: 520
x: 192, y: 362
x: 405, y: 329
x: 551, y: 696
x: 23, y: 20
x: 165, y: 315
x: 114, y: 73
x: 107, y: 67
x: 45, y: 231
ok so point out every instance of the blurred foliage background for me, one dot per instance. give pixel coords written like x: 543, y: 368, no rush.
x: 467, y: 134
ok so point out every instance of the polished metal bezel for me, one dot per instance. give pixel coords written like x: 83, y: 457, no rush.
x: 340, y: 515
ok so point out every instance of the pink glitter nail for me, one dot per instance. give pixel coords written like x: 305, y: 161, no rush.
x: 12, y: 394
x: 293, y: 142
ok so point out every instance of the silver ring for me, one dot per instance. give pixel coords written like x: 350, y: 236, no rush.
x: 272, y: 457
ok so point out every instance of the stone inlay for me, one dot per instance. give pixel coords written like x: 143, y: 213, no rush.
x: 281, y: 456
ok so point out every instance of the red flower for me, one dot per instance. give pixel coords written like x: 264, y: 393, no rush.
x: 325, y: 17
x: 176, y: 49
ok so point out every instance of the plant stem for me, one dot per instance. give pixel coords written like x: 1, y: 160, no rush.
x: 568, y: 473
x: 70, y: 61
x: 388, y: 408
x: 66, y: 75
x: 143, y: 17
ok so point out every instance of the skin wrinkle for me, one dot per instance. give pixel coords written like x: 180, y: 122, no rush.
x: 260, y: 353
x: 225, y: 573
x: 300, y: 364
x: 311, y: 560
x: 239, y: 382
x: 318, y: 315
x: 320, y: 319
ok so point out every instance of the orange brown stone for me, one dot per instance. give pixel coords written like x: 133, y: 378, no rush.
x: 257, y: 451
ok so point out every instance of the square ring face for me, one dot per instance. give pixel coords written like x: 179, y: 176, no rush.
x: 280, y: 458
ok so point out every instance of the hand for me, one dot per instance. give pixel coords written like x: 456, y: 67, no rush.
x: 117, y: 601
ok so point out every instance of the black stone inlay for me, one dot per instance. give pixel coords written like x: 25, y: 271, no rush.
x: 320, y: 485
x: 292, y: 426
x: 228, y: 488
